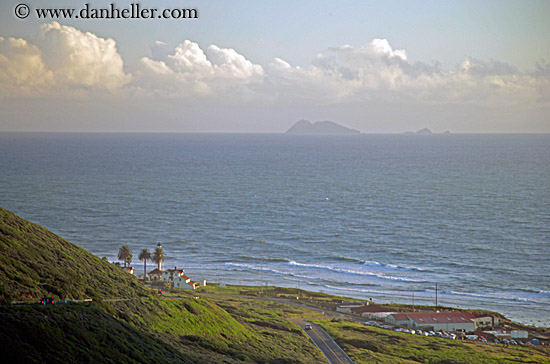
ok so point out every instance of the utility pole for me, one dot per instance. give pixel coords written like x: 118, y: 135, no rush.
x: 436, y: 296
x: 261, y: 266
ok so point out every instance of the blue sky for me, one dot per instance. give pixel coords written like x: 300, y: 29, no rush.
x: 258, y: 66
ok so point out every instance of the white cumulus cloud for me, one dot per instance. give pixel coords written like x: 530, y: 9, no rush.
x: 82, y: 59
x: 376, y: 71
x: 62, y: 58
x: 22, y: 70
x: 189, y: 71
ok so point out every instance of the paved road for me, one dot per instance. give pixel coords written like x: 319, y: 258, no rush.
x: 331, y: 350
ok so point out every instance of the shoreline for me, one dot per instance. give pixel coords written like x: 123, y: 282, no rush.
x: 512, y: 310
x: 303, y: 295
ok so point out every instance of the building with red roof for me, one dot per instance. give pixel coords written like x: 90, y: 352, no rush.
x: 175, y: 276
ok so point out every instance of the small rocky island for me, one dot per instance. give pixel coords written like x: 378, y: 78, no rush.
x: 421, y: 131
x: 425, y: 131
x: 319, y: 127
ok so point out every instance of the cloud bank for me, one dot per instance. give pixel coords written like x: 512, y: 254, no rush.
x: 65, y: 62
x: 67, y: 58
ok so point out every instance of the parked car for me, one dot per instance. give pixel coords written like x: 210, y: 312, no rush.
x: 308, y: 326
x: 47, y: 301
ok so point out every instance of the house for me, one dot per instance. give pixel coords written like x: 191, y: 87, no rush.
x: 436, y: 321
x: 180, y: 281
x: 184, y: 283
x: 129, y: 269
x: 483, y: 321
x: 175, y: 276
x: 170, y: 274
x: 155, y: 274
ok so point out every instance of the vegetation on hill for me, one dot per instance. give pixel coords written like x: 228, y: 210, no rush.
x: 127, y: 322
x: 77, y: 333
x: 365, y: 344
x: 35, y: 262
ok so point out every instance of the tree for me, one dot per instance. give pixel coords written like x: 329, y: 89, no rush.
x: 144, y: 256
x: 158, y: 256
x: 125, y: 255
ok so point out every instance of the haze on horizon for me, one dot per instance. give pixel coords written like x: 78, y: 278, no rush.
x: 249, y: 66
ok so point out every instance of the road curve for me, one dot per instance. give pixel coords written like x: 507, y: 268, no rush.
x: 331, y: 350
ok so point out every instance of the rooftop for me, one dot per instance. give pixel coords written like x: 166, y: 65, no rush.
x: 435, y: 317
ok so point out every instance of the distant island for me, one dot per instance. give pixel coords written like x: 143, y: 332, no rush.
x: 425, y: 131
x: 319, y: 127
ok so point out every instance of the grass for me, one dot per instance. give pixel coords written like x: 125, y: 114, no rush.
x: 141, y: 328
x: 372, y: 345
x: 231, y: 324
x: 273, y: 331
x: 77, y: 333
x: 34, y: 263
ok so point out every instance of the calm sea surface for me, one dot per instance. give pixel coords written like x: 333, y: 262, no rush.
x: 370, y: 216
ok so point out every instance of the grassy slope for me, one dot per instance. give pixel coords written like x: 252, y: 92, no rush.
x: 145, y: 328
x: 35, y: 262
x: 79, y: 333
x: 372, y: 345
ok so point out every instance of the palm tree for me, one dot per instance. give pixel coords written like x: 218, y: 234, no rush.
x: 125, y: 255
x: 144, y: 256
x: 158, y: 256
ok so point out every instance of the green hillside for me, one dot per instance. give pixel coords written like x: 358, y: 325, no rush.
x: 366, y: 344
x: 125, y: 322
x: 77, y: 333
x: 212, y: 325
x: 34, y: 262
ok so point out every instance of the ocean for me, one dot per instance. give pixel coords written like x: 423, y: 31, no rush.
x: 381, y: 217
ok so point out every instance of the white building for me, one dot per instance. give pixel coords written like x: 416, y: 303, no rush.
x: 377, y: 315
x: 347, y: 308
x: 175, y: 276
x: 155, y: 274
x: 170, y: 274
x: 436, y: 321
x: 483, y: 321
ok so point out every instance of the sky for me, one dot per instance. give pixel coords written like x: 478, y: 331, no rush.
x: 260, y: 66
